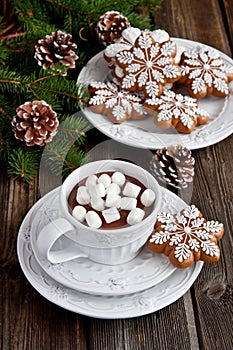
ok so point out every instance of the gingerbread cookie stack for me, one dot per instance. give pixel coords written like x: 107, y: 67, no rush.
x: 148, y: 66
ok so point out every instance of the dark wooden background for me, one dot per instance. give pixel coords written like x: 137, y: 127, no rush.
x: 203, y: 318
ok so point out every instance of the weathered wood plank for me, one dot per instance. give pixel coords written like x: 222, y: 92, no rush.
x: 227, y: 10
x: 195, y: 20
x: 213, y: 289
x: 27, y: 321
x: 212, y: 192
x: 30, y: 322
x: 154, y: 331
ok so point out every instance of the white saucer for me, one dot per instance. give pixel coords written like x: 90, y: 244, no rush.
x: 108, y: 307
x: 84, y: 275
x: 144, y: 133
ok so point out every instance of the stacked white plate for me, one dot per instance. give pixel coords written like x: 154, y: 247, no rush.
x: 139, y: 287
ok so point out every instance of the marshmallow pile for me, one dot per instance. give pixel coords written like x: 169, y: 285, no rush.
x: 108, y: 195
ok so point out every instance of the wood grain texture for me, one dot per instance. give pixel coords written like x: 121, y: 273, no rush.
x: 227, y: 12
x: 203, y: 318
x: 213, y: 191
x: 195, y: 20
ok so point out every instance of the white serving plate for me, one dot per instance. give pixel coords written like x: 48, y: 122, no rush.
x: 144, y: 133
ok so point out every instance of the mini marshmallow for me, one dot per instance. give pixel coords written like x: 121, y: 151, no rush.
x: 147, y: 197
x: 113, y: 200
x: 93, y: 219
x: 97, y: 203
x: 131, y: 190
x: 111, y: 215
x: 83, y: 196
x: 135, y: 216
x: 79, y: 213
x: 118, y: 178
x: 128, y: 203
x: 97, y: 190
x: 91, y: 180
x: 113, y: 189
x: 105, y: 179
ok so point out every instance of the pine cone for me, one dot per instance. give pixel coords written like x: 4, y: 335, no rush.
x: 110, y: 26
x: 56, y: 48
x: 35, y: 123
x: 173, y: 164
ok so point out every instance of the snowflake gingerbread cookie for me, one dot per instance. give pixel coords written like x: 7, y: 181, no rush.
x: 126, y: 42
x: 176, y: 110
x: 204, y: 73
x: 117, y: 104
x: 186, y: 237
x: 148, y: 65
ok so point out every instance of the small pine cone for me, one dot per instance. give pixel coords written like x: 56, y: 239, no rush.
x: 110, y: 26
x: 35, y: 123
x: 56, y: 48
x: 173, y: 164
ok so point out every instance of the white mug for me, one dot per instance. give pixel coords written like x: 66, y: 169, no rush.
x: 113, y: 246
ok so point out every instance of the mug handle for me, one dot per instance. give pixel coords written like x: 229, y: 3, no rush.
x: 50, y: 234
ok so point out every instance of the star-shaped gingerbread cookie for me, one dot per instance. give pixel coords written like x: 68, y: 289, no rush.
x: 149, y: 65
x: 205, y: 73
x: 181, y: 112
x: 186, y: 237
x: 117, y: 104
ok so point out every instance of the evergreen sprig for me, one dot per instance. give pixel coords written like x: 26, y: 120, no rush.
x: 21, y: 79
x: 23, y: 163
x: 66, y: 152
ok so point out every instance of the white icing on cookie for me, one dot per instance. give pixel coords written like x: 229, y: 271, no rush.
x: 130, y: 35
x: 120, y: 102
x: 148, y: 65
x: 171, y: 105
x: 188, y: 233
x: 206, y: 69
x: 160, y: 36
x: 127, y: 40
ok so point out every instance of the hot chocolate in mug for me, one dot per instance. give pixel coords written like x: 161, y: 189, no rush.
x: 106, y: 246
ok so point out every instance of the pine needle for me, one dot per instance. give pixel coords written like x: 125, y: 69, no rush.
x: 22, y: 164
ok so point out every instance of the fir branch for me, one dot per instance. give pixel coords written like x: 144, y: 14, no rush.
x: 53, y: 91
x: 61, y: 161
x: 66, y: 5
x: 73, y: 129
x: 4, y: 113
x: 33, y: 16
x: 12, y: 35
x: 21, y: 80
x: 53, y: 84
x: 11, y: 81
x: 65, y: 152
x: 74, y: 159
x: 23, y: 164
x: 7, y: 143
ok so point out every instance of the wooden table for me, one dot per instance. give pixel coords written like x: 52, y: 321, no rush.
x: 202, y: 318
